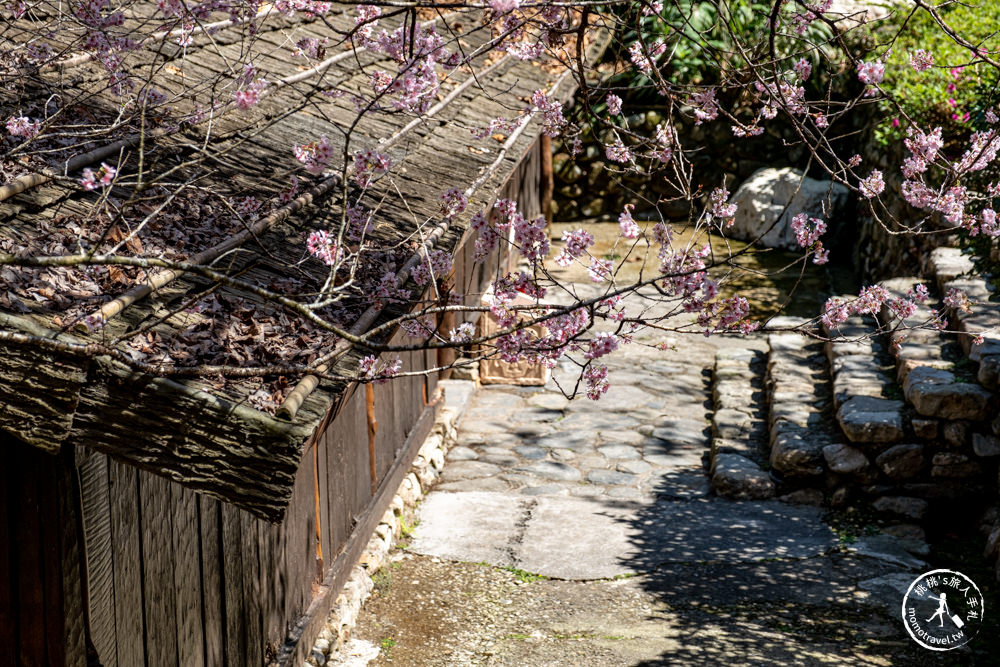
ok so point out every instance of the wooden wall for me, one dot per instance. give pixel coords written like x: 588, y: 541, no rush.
x: 100, y: 557
x: 41, y: 603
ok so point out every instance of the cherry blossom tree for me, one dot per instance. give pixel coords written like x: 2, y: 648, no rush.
x: 86, y: 101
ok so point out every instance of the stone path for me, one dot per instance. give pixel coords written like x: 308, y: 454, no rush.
x: 573, y: 533
x: 646, y: 438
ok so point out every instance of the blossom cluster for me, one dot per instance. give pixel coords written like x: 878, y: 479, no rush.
x: 807, y: 231
x: 436, y: 264
x: 324, y: 248
x: 872, y: 300
x: 103, y: 177
x: 371, y: 368
x: 316, y: 155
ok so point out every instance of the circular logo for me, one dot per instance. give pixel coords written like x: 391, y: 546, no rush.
x: 943, y: 610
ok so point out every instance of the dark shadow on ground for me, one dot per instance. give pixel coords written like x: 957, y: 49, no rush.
x: 765, y: 583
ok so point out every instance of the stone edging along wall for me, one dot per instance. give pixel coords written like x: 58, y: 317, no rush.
x: 422, y: 476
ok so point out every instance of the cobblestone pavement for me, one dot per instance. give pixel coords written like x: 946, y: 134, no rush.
x: 645, y: 438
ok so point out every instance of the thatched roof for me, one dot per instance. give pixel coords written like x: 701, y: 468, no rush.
x: 227, y: 437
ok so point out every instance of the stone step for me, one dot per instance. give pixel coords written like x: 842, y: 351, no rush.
x: 981, y: 326
x: 801, y: 404
x: 937, y: 377
x: 739, y: 426
x: 863, y: 384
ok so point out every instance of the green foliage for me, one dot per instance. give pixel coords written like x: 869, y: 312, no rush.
x: 382, y: 582
x: 957, y: 91
x: 406, y: 529
x: 522, y: 575
x: 707, y: 41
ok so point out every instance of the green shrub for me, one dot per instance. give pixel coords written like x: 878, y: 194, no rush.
x: 956, y: 92
x: 701, y: 40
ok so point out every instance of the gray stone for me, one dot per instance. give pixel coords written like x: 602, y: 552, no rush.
x: 985, y: 445
x: 901, y: 461
x: 907, y: 532
x: 739, y: 478
x: 503, y: 460
x: 493, y: 450
x: 497, y: 400
x: 845, y: 460
x: 462, y: 454
x: 731, y: 424
x: 530, y: 451
x: 888, y: 549
x: 682, y: 432
x: 563, y: 454
x: 556, y: 402
x: 797, y: 455
x: 634, y: 467
x: 934, y: 392
x: 949, y: 263
x: 989, y: 371
x: 925, y: 429
x: 956, y: 433
x: 457, y: 394
x: 622, y: 437
x: 620, y: 398
x: 586, y: 491
x: 552, y: 470
x: 468, y: 470
x: 596, y: 421
x: 624, y: 493
x: 992, y: 544
x: 949, y: 459
x: 575, y: 440
x: 803, y: 497
x: 545, y: 490
x: 888, y: 591
x: 910, y: 508
x: 954, y: 465
x: 841, y: 496
x: 619, y: 452
x: 481, y: 484
x: 869, y: 419
x: 770, y: 197
x: 610, y: 478
x: 742, y: 447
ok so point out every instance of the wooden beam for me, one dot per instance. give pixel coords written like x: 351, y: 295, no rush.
x: 548, y: 183
x: 302, y: 636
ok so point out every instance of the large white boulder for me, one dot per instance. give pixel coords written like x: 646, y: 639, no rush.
x: 770, y: 198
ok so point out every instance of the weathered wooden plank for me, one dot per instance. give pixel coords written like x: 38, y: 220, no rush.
x: 253, y: 622
x: 27, y: 562
x: 8, y: 612
x: 211, y: 581
x: 159, y: 593
x: 302, y: 636
x: 48, y: 507
x: 96, y: 509
x: 323, y: 488
x: 126, y: 542
x: 387, y: 436
x: 270, y: 568
x: 232, y: 582
x: 300, y: 553
x: 187, y: 577
x: 71, y: 561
